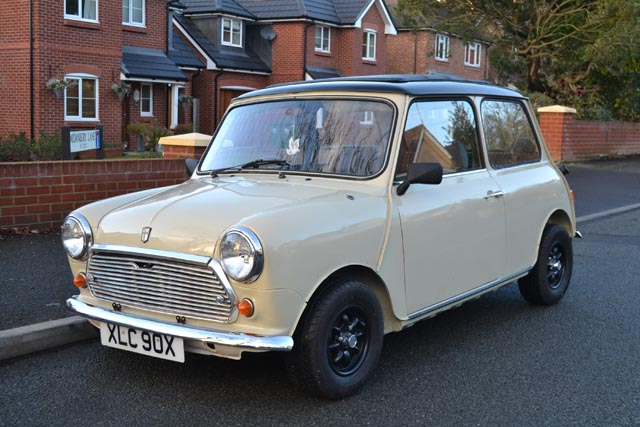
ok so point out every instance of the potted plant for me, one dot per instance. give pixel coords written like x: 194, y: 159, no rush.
x: 121, y: 89
x: 58, y: 85
x: 185, y: 99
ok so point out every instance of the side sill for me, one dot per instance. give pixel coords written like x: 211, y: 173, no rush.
x: 467, y: 295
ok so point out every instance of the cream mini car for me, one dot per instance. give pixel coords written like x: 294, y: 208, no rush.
x: 324, y: 215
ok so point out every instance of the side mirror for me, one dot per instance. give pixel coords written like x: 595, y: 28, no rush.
x: 421, y: 173
x: 563, y: 169
x: 190, y: 165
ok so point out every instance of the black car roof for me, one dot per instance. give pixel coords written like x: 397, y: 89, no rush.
x: 409, y: 84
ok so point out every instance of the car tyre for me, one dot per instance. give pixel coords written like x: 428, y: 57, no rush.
x: 338, y: 345
x: 549, y: 279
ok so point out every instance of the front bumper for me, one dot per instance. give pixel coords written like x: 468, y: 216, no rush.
x: 231, y: 339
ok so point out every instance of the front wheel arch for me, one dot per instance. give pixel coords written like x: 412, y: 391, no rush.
x: 367, y: 276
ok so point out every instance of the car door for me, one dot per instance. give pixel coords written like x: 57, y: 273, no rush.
x: 453, y: 233
x: 531, y: 188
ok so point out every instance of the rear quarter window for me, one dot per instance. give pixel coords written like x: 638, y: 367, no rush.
x: 508, y: 133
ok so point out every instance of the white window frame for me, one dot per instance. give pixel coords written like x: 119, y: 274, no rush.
x: 231, y: 32
x: 442, y: 48
x: 324, y: 30
x: 142, y: 97
x: 476, y: 48
x: 129, y: 20
x: 367, y: 118
x: 80, y: 77
x: 369, y: 42
x: 79, y: 17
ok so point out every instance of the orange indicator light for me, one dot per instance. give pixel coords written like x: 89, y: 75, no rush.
x: 80, y: 281
x: 246, y: 307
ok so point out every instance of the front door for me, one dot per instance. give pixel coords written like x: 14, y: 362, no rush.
x: 453, y: 233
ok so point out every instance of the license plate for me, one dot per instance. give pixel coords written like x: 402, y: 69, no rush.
x: 142, y: 342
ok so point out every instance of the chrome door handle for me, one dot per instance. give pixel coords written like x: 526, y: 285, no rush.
x: 493, y: 195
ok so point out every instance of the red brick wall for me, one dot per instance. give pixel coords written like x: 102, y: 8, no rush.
x: 287, y: 61
x: 569, y: 139
x: 588, y: 139
x: 42, y: 193
x: 14, y: 67
x: 414, y: 52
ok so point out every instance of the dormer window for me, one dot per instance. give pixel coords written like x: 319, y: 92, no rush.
x: 369, y: 45
x: 231, y: 32
x: 82, y: 10
x: 133, y: 12
x: 323, y: 39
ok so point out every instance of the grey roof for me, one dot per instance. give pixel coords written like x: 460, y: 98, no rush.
x: 182, y: 54
x: 339, y: 12
x: 226, y: 58
x: 149, y: 64
x: 216, y: 6
x: 323, y: 73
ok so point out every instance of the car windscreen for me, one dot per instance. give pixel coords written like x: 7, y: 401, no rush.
x: 321, y: 136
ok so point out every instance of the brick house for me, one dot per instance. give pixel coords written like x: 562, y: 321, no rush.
x: 249, y: 44
x: 92, y: 46
x: 424, y: 49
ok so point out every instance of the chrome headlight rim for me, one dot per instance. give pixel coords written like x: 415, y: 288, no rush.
x: 257, y: 253
x: 87, y: 235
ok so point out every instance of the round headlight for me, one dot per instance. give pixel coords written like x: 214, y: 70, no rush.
x: 76, y: 236
x: 241, y: 254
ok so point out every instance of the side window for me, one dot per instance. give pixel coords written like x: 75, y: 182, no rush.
x: 510, y: 138
x: 443, y: 132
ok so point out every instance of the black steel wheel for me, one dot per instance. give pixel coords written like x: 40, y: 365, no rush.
x: 348, y: 341
x: 337, y: 347
x: 549, y: 279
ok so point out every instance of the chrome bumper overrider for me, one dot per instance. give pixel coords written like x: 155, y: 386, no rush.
x: 277, y: 343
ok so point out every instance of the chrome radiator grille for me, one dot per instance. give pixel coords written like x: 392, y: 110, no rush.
x: 169, y: 286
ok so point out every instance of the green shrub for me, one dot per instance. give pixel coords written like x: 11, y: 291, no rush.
x: 183, y: 128
x: 151, y: 132
x: 48, y: 147
x: 16, y: 149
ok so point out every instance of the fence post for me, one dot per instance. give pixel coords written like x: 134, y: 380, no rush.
x: 554, y: 121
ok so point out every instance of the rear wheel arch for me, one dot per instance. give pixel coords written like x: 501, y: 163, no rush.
x: 560, y: 217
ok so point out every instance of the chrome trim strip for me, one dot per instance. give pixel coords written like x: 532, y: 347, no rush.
x: 468, y: 294
x: 176, y: 256
x: 232, y: 339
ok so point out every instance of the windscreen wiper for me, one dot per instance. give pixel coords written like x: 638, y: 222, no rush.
x: 253, y: 164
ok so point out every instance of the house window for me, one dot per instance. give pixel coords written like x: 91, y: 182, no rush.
x: 442, y: 47
x: 85, y: 10
x: 323, y: 39
x: 369, y: 45
x: 133, y: 12
x: 472, y: 54
x: 231, y: 32
x: 81, y: 97
x: 146, y: 100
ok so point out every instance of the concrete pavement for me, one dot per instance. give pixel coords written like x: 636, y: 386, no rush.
x: 36, y: 279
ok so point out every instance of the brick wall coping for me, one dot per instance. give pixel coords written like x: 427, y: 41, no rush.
x: 557, y: 109
x: 186, y: 140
